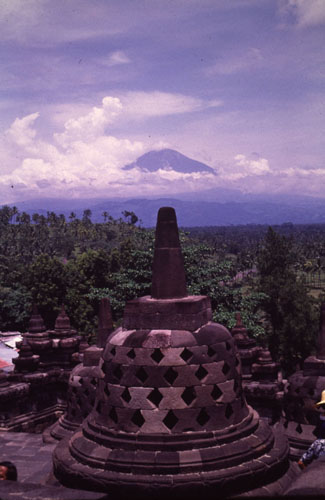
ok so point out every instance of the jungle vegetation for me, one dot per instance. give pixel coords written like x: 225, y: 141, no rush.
x: 274, y: 276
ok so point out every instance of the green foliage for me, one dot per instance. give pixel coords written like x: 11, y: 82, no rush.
x: 15, y: 307
x: 50, y: 260
x: 291, y: 311
x: 47, y: 284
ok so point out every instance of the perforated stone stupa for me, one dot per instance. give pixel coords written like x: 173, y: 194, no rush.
x: 170, y: 417
x: 83, y: 382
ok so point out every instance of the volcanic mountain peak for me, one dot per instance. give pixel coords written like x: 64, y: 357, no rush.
x: 169, y: 159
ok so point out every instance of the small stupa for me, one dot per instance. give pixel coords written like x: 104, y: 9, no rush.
x: 170, y: 418
x: 303, y: 391
x: 26, y: 361
x: 83, y: 381
x: 247, y: 347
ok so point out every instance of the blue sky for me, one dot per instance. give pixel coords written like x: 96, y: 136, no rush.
x: 87, y: 86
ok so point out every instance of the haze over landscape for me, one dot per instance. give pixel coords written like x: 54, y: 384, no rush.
x: 92, y: 90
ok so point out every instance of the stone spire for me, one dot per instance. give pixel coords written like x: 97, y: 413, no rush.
x: 168, y: 274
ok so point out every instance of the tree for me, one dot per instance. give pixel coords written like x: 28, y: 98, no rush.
x: 46, y: 279
x: 291, y: 312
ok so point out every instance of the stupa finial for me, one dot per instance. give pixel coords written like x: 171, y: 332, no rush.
x: 168, y: 274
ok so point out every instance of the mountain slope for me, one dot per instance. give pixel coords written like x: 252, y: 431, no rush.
x: 169, y: 159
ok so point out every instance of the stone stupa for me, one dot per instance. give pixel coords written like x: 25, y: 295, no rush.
x: 304, y: 389
x: 83, y: 381
x: 170, y: 418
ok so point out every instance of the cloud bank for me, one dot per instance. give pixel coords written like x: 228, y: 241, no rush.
x: 86, y: 159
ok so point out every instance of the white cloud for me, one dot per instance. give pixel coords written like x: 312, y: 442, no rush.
x: 305, y: 12
x: 235, y: 63
x: 21, y: 131
x: 85, y: 159
x: 115, y: 58
x: 88, y: 126
x: 147, y: 104
x: 258, y: 166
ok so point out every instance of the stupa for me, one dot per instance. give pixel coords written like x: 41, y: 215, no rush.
x: 247, y: 347
x: 170, y: 418
x: 303, y: 390
x: 83, y: 381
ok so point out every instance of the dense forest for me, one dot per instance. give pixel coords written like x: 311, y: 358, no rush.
x: 274, y: 276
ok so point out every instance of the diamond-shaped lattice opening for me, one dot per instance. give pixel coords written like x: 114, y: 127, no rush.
x: 81, y: 380
x: 113, y: 351
x: 236, y: 385
x: 189, y: 395
x: 225, y: 368
x: 131, y: 354
x: 170, y: 420
x: 170, y: 376
x: 211, y: 352
x: 106, y: 390
x: 155, y: 397
x: 104, y: 368
x: 299, y: 429
x: 286, y: 423
x: 237, y: 361
x: 126, y: 396
x: 229, y: 411
x: 202, y: 417
x: 216, y: 392
x: 157, y: 355
x: 118, y: 373
x: 138, y: 419
x: 113, y: 415
x: 93, y: 381
x: 141, y: 374
x: 186, y: 354
x: 86, y: 392
x: 99, y: 407
x: 201, y: 373
x: 228, y: 346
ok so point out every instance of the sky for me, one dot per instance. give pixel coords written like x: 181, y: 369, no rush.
x: 88, y: 86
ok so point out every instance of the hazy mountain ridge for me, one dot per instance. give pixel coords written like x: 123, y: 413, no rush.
x: 189, y: 213
x: 211, y: 207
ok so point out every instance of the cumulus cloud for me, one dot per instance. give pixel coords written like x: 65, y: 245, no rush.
x: 258, y: 166
x: 86, y: 159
